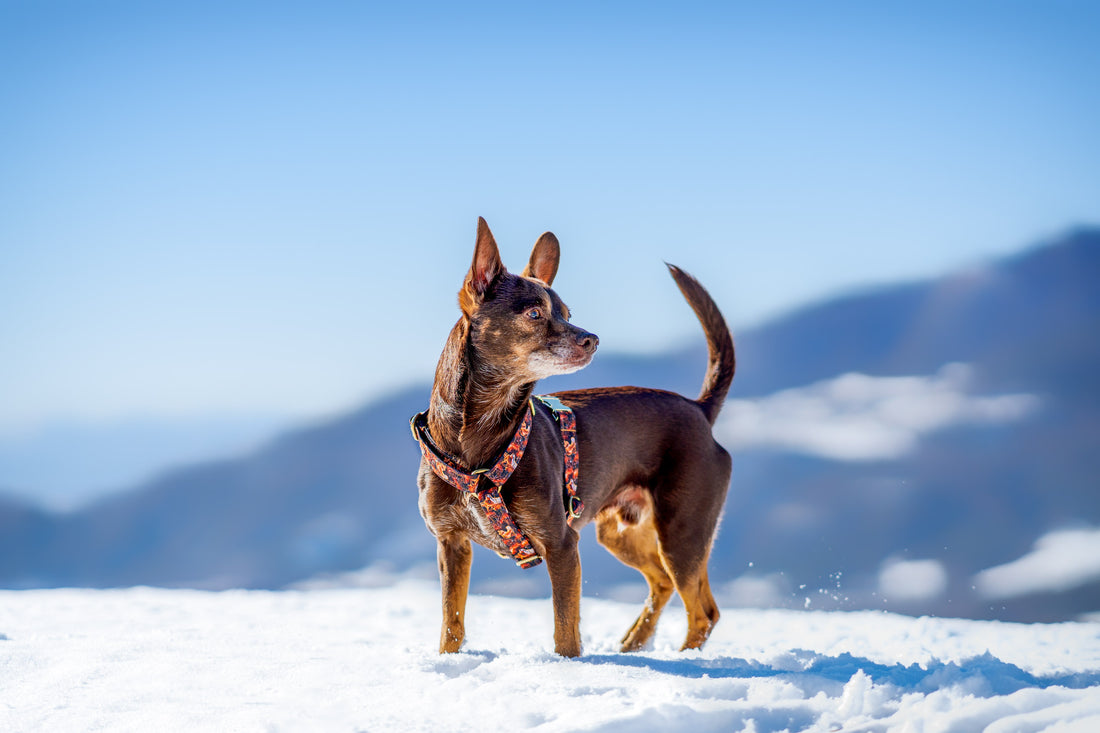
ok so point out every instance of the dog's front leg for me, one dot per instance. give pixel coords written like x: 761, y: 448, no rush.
x: 564, y: 565
x: 455, y: 556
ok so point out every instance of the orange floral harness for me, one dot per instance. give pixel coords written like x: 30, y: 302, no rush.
x: 448, y: 468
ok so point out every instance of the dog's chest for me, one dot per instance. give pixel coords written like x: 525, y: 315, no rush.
x: 448, y: 512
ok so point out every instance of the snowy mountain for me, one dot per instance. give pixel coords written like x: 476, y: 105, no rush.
x: 65, y: 465
x: 341, y: 660
x: 893, y: 449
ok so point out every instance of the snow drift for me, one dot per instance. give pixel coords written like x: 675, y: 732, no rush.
x: 344, y: 660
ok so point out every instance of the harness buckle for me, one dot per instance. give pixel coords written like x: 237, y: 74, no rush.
x: 553, y: 403
x: 576, y: 506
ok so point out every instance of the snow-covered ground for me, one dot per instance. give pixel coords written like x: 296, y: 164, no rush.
x: 363, y: 659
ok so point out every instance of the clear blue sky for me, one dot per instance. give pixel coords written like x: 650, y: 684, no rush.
x: 223, y: 207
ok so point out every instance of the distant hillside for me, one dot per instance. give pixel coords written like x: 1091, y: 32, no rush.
x: 967, y: 495
x: 64, y: 465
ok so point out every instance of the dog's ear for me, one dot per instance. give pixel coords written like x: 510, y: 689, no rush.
x: 544, y: 259
x: 485, y: 268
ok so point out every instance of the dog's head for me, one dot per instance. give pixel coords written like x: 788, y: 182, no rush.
x: 517, y: 324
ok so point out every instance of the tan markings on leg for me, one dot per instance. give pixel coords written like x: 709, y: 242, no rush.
x: 454, y: 576
x: 627, y: 531
x: 702, y: 611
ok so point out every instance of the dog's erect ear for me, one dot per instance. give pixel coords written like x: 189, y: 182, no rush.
x: 485, y: 268
x: 544, y: 259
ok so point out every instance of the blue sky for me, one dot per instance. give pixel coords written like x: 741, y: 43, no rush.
x: 264, y: 208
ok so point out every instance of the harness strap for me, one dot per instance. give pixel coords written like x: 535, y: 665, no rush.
x: 448, y: 468
x: 567, y: 423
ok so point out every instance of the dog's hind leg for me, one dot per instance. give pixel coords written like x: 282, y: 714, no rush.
x: 686, y: 515
x: 629, y: 534
x: 455, y: 557
x: 702, y: 610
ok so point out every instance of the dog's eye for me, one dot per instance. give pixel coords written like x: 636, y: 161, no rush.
x: 534, y: 314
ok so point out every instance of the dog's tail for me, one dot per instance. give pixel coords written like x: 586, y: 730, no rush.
x: 722, y: 362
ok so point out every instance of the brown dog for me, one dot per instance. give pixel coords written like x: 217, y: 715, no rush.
x: 650, y: 473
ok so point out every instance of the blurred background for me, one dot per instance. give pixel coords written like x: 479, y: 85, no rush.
x: 231, y: 235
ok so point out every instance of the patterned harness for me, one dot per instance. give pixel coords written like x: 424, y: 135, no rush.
x: 447, y: 467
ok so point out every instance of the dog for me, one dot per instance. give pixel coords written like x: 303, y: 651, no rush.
x: 498, y: 466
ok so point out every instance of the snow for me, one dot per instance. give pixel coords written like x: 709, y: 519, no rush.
x: 919, y: 580
x: 363, y: 659
x: 1062, y: 560
x: 857, y: 417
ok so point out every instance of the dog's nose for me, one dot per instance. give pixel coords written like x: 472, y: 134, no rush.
x: 588, y: 341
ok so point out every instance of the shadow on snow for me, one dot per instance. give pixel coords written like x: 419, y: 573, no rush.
x: 986, y: 674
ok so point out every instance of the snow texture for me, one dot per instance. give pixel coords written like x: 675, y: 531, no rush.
x: 351, y: 660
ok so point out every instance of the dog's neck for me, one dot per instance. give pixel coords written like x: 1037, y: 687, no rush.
x: 475, y: 408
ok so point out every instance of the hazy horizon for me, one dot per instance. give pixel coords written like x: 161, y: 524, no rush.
x: 66, y: 465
